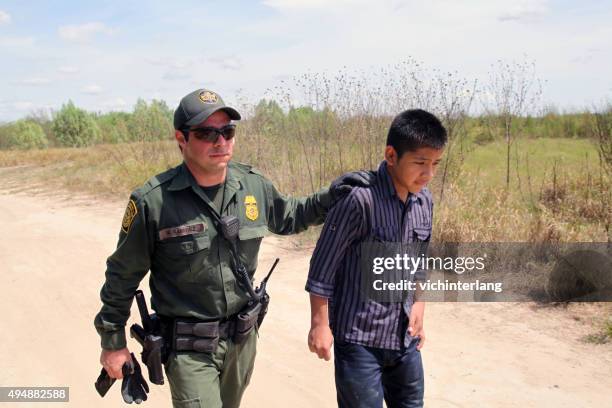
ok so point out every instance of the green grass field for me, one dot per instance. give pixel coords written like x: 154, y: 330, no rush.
x: 536, y: 159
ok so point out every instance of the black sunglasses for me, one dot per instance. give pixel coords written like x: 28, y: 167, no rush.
x: 211, y: 134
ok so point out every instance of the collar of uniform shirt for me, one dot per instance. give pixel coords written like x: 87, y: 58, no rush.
x: 185, y: 179
x: 385, y: 179
x: 181, y: 180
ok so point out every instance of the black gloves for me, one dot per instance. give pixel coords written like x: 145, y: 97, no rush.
x: 134, y: 388
x: 343, y: 185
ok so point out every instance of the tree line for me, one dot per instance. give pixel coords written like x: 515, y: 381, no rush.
x: 72, y: 126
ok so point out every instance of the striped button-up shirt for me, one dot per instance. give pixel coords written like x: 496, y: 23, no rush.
x: 375, y: 212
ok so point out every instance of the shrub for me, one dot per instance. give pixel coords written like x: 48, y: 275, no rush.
x: 23, y: 135
x: 151, y: 122
x: 74, y: 127
x: 114, y: 127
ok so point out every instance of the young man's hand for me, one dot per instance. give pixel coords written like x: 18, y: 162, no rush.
x: 415, y: 323
x: 320, y: 340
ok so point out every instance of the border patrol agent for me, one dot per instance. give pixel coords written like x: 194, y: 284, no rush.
x: 170, y: 228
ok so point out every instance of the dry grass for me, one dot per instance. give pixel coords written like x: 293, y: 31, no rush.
x: 475, y: 208
x: 102, y: 170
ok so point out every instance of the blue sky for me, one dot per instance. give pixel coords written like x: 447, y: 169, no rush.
x: 104, y: 55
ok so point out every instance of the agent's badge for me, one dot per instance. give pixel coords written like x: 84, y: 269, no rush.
x: 128, y: 217
x: 250, y: 205
x: 208, y: 97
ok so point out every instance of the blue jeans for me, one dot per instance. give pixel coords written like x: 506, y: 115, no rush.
x: 366, y: 375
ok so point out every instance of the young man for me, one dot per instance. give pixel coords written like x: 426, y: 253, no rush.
x: 376, y: 345
x: 171, y: 227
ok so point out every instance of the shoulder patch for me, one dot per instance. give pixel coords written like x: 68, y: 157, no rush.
x: 128, y: 217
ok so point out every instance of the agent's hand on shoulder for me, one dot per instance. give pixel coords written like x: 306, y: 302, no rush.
x: 343, y: 185
x: 320, y: 340
x: 113, y: 360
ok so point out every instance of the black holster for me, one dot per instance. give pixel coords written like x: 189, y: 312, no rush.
x: 246, y: 320
x: 154, y: 352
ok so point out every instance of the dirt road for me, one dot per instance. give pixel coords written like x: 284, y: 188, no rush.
x: 52, y: 255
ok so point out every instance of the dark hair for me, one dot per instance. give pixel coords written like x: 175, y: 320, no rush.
x: 414, y: 129
x: 185, y: 133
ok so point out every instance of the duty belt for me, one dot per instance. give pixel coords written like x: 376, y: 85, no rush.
x: 203, y: 337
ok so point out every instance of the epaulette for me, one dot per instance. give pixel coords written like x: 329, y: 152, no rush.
x: 157, y: 181
x: 256, y: 171
x: 243, y: 167
x: 247, y: 168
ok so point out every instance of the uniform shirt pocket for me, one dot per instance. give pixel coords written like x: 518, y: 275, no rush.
x: 185, y: 246
x: 184, y: 258
x: 250, y: 241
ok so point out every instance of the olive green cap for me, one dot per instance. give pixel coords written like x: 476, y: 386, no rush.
x: 197, y: 106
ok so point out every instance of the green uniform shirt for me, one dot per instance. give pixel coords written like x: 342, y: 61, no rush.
x: 169, y: 229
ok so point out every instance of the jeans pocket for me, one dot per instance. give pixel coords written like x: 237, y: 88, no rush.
x: 343, y: 348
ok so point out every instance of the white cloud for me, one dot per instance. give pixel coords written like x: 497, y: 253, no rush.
x: 524, y: 10
x: 177, y: 70
x: 231, y: 62
x: 5, y: 17
x: 22, y: 105
x: 157, y: 61
x: 84, y: 32
x: 475, y: 11
x: 174, y: 74
x: 35, y: 81
x: 288, y: 5
x: 92, y: 89
x: 68, y: 70
x: 297, y: 36
x: 168, y: 62
x: 13, y: 110
x: 16, y: 41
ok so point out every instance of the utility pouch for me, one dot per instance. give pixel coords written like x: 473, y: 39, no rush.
x: 202, y: 337
x: 246, y: 320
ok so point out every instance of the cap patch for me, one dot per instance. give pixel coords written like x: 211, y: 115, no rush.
x: 208, y: 97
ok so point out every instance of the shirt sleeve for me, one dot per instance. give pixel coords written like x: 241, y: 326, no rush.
x: 125, y: 268
x: 344, y: 226
x: 290, y: 215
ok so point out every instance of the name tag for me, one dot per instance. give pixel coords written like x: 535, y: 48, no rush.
x: 181, y: 231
